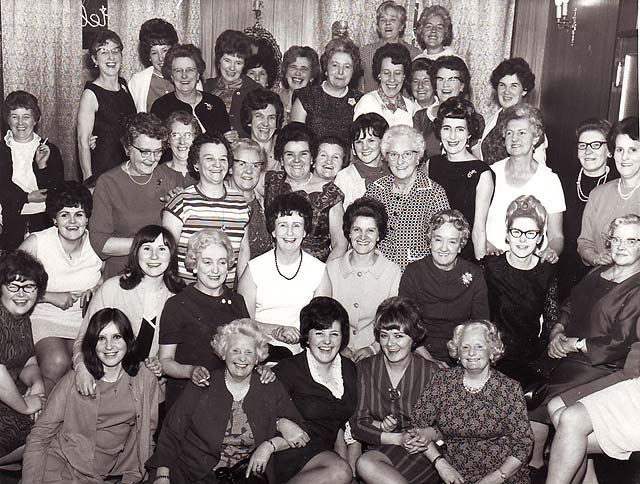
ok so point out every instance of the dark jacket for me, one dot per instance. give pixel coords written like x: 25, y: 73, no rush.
x: 248, y: 85
x: 210, y: 111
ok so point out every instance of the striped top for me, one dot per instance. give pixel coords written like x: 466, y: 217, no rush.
x: 197, y: 211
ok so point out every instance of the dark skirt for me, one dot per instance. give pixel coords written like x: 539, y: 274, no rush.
x: 291, y: 461
x: 415, y: 468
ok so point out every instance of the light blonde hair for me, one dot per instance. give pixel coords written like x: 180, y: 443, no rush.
x: 203, y: 239
x: 246, y: 327
x: 491, y: 336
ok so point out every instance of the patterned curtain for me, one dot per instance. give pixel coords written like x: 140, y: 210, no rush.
x: 482, y: 33
x: 41, y: 52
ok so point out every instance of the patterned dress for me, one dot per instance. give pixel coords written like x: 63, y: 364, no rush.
x: 480, y: 429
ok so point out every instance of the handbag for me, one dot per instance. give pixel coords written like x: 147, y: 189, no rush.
x: 236, y: 475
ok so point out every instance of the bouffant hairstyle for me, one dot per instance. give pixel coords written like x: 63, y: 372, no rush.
x: 398, y: 54
x: 266, y: 62
x: 391, y: 5
x: 491, y: 335
x: 155, y: 31
x: 69, y: 194
x: 259, y: 99
x: 320, y: 314
x: 441, y: 12
x: 183, y: 117
x: 515, y: 66
x: 101, y: 319
x: 402, y: 314
x: 400, y: 130
x: 202, y: 139
x: 628, y: 126
x: 368, y: 124
x: 366, y: 207
x: 144, y: 123
x: 527, y: 112
x: 457, y: 107
x: 340, y: 44
x: 288, y: 204
x: 183, y: 50
x: 202, y: 239
x: 526, y: 206
x: 133, y: 273
x: 100, y: 39
x: 293, y: 53
x: 453, y: 217
x: 232, y: 42
x: 295, y: 131
x: 19, y: 265
x: 602, y: 126
x: 24, y: 100
x: 330, y: 139
x: 453, y: 63
x: 246, y: 327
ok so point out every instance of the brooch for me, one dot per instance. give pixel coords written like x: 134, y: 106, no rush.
x: 351, y: 101
x: 466, y: 278
x: 208, y: 106
x: 471, y: 173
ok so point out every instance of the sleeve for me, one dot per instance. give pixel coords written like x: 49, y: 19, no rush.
x: 158, y: 108
x: 101, y: 225
x: 408, y: 285
x: 285, y: 408
x: 555, y: 195
x: 480, y: 299
x: 394, y: 287
x: 12, y: 197
x: 587, y: 247
x: 219, y: 117
x: 44, y: 430
x: 551, y: 308
x: 242, y: 305
x: 52, y: 176
x: 362, y: 422
x: 171, y: 323
x: 519, y: 433
x: 364, y: 106
x: 425, y: 410
x: 175, y: 206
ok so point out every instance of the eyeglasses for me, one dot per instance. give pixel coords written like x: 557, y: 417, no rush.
x: 105, y: 51
x: 28, y: 288
x: 188, y: 70
x: 185, y: 136
x: 149, y: 153
x: 257, y: 165
x: 405, y: 155
x: 625, y: 242
x: 594, y: 145
x: 529, y: 234
x: 448, y: 79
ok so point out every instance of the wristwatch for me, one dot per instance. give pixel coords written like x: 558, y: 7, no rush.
x: 580, y: 344
x: 503, y: 476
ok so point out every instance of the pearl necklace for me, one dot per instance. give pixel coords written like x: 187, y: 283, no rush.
x: 238, y: 391
x: 603, y: 179
x: 126, y: 168
x: 628, y: 195
x: 275, y: 254
x: 475, y: 389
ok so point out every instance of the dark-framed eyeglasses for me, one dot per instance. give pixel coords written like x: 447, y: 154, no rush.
x: 529, y: 234
x: 149, y: 153
x: 28, y: 288
x: 594, y: 145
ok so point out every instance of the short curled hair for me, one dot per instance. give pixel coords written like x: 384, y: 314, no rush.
x: 453, y: 63
x: 602, y: 126
x: 340, y: 44
x: 101, y: 319
x: 398, y: 54
x: 526, y: 206
x: 491, y: 335
x: 421, y: 64
x: 147, y: 124
x: 183, y: 50
x: 628, y: 126
x: 321, y: 313
x: 155, y: 31
x: 368, y: 124
x: 24, y: 100
x: 527, y: 112
x: 246, y: 327
x: 183, y: 117
x: 234, y: 43
x: 366, y: 207
x: 628, y: 219
x: 246, y: 144
x: 400, y: 130
x: 269, y: 64
x: 202, y: 239
x: 515, y: 66
x: 100, y: 39
x: 402, y: 314
x: 295, y: 131
x: 259, y: 99
x: 442, y: 12
x: 331, y: 139
x: 306, y: 52
x: 457, y: 107
x: 453, y: 217
x: 390, y: 4
x: 19, y: 265
x: 193, y: 159
x: 69, y: 194
x: 288, y: 204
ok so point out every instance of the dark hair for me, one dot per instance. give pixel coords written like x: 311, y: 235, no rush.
x: 144, y: 123
x: 295, y: 131
x: 398, y: 54
x: 321, y: 313
x: 442, y: 12
x: 202, y: 139
x: 268, y: 63
x: 259, y: 99
x: 517, y: 66
x: 421, y: 64
x: 457, y: 107
x: 368, y: 123
x: 69, y: 194
x: 628, y: 126
x: 602, y: 126
x: 100, y: 39
x: 24, y: 100
x: 133, y: 273
x: 387, y: 4
x: 337, y: 45
x: 232, y: 42
x: 185, y: 118
x: 155, y: 31
x: 183, y: 50
x: 331, y: 139
x: 307, y: 52
x: 100, y: 320
x: 402, y: 314
x: 366, y: 207
x: 287, y: 204
x: 18, y: 265
x: 453, y: 63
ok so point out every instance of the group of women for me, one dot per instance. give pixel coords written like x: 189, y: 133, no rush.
x: 383, y: 258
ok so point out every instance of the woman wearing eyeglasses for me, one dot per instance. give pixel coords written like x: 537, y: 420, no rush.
x: 128, y: 197
x: 183, y: 127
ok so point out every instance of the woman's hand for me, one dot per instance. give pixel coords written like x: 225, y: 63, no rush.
x: 602, y: 259
x: 85, y: 297
x: 389, y: 423
x: 260, y: 458
x: 37, y: 196
x: 292, y: 433
x: 558, y: 345
x: 62, y: 300
x: 172, y: 193
x: 34, y: 403
x: 232, y: 136
x: 491, y: 478
x: 493, y: 250
x: 548, y: 255
x: 42, y: 155
x: 362, y: 353
x: 85, y: 383
x: 266, y: 374
x: 413, y: 442
x: 447, y: 473
x: 154, y: 366
x: 286, y: 334
x: 200, y: 376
